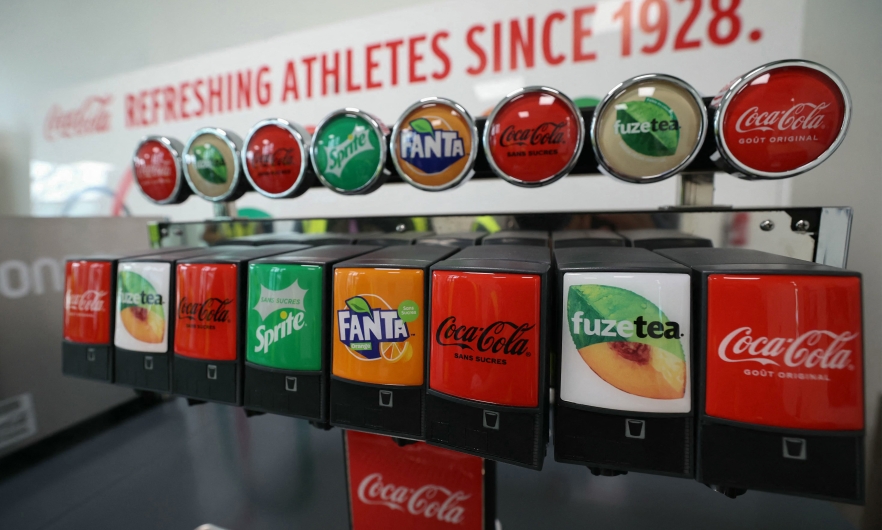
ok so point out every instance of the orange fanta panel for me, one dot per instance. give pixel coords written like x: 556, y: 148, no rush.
x: 379, y: 322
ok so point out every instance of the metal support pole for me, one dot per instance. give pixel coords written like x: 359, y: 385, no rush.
x: 696, y: 189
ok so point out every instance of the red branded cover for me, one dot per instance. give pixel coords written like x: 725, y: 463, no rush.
x: 417, y: 486
x: 87, y: 302
x: 785, y: 351
x: 485, y: 337
x: 207, y: 302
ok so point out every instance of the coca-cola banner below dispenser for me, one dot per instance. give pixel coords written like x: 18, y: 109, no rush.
x: 488, y: 354
x: 416, y: 487
x: 780, y: 353
x: 209, y: 334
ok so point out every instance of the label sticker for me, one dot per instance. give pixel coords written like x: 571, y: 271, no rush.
x: 534, y: 138
x: 142, y: 297
x: 485, y: 337
x: 434, y: 142
x: 625, y: 341
x: 87, y: 302
x: 285, y: 316
x: 156, y: 170
x: 347, y: 153
x: 374, y: 342
x: 785, y: 351
x: 207, y: 314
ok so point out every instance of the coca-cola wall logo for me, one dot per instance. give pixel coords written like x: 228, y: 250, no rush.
x: 783, y: 120
x: 785, y: 351
x: 430, y: 501
x: 91, y: 117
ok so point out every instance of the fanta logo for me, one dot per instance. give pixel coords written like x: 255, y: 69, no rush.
x: 429, y: 149
x: 362, y: 328
x: 339, y: 155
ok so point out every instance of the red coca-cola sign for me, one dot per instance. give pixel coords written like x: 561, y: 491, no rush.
x: 91, y: 117
x: 207, y: 311
x: 782, y: 119
x: 534, y: 136
x: 485, y: 337
x: 785, y: 351
x: 157, y: 170
x: 274, y: 157
x: 87, y: 302
x: 413, y: 487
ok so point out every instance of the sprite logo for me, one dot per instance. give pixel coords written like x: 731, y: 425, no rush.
x: 140, y: 308
x: 347, y: 152
x: 429, y: 149
x: 649, y: 127
x: 210, y: 164
x: 284, y: 317
x: 363, y: 328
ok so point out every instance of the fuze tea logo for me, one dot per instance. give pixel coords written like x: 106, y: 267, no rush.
x: 141, y: 308
x: 379, y: 325
x: 625, y: 342
x: 649, y: 127
x: 284, y: 317
x: 373, y: 333
x: 347, y: 152
x: 210, y: 164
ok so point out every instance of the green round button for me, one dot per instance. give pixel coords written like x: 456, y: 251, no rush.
x: 408, y: 311
x: 349, y: 151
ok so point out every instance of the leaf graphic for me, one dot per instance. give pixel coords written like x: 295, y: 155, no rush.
x: 603, y: 302
x: 650, y: 143
x: 358, y: 304
x: 210, y: 164
x: 422, y: 125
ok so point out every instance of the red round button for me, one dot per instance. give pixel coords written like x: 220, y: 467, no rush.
x: 534, y: 137
x: 783, y: 119
x: 156, y: 170
x: 273, y: 160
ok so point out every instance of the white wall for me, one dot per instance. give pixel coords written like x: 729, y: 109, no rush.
x: 50, y: 44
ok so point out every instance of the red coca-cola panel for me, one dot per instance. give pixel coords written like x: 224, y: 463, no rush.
x: 784, y: 119
x: 207, y: 311
x: 87, y: 301
x: 785, y: 351
x: 273, y: 159
x: 534, y: 136
x: 485, y: 337
x: 417, y: 486
x: 155, y: 170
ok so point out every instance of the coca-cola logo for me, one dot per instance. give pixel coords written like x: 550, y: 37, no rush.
x: 278, y: 157
x: 801, y: 116
x: 211, y: 310
x: 499, y: 337
x: 803, y: 351
x: 430, y: 501
x: 91, y: 117
x: 91, y: 301
x: 548, y: 133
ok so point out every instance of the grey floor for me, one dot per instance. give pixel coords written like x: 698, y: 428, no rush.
x: 177, y: 467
